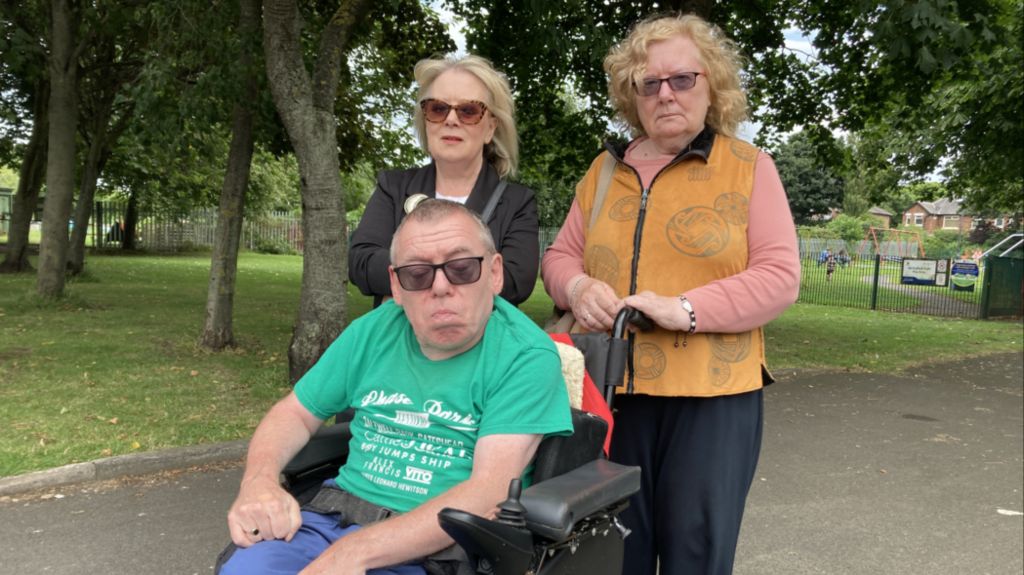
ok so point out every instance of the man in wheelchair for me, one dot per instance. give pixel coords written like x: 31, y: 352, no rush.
x: 453, y: 390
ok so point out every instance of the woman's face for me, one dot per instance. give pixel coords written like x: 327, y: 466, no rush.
x: 672, y: 119
x: 453, y: 141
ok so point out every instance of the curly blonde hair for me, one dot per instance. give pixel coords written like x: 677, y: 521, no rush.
x: 626, y: 63
x: 503, y: 150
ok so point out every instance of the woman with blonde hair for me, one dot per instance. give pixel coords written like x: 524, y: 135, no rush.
x: 690, y: 225
x: 465, y: 122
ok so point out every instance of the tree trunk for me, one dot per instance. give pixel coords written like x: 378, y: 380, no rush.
x: 306, y: 108
x: 131, y: 222
x: 30, y: 180
x: 218, y: 332
x: 96, y: 158
x: 104, y: 136
x: 60, y: 165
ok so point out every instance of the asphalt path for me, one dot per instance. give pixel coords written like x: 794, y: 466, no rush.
x: 920, y: 472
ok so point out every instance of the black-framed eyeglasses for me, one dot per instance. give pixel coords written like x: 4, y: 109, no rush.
x: 460, y: 271
x: 678, y: 82
x: 469, y: 112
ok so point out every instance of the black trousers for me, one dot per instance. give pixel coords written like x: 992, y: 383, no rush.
x: 698, y: 457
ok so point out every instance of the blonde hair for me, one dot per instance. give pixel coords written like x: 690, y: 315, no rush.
x: 626, y: 63
x: 503, y: 150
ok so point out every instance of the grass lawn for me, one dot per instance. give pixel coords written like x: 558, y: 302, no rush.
x: 35, y: 236
x: 811, y: 336
x: 114, y: 368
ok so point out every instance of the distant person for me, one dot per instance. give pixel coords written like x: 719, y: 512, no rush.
x: 830, y: 267
x: 116, y: 232
x: 465, y: 121
x: 844, y: 257
x: 453, y: 389
x: 693, y: 229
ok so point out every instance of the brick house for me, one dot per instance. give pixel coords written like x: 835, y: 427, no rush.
x: 943, y: 214
x: 946, y: 214
x: 883, y: 217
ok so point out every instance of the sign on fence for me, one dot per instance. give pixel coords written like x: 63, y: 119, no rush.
x: 925, y: 272
x: 963, y: 275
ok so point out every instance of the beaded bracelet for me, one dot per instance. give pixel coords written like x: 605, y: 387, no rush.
x: 688, y: 308
x: 575, y: 286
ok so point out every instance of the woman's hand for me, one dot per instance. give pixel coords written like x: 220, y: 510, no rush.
x: 665, y: 311
x: 594, y: 304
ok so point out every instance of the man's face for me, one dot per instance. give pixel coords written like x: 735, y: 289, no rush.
x: 447, y: 319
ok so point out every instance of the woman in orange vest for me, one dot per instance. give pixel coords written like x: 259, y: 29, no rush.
x: 690, y: 225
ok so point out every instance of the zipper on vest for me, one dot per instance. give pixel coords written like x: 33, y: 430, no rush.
x: 637, y: 234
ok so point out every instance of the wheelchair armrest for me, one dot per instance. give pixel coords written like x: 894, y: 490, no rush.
x: 328, y: 444
x: 554, y: 506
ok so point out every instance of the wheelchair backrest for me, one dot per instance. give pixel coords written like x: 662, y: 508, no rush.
x: 560, y: 454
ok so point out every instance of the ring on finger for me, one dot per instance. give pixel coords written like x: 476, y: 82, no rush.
x: 255, y: 531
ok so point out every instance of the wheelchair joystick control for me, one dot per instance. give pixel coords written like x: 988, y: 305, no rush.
x: 511, y: 512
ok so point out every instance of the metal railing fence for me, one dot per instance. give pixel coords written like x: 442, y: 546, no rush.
x: 861, y: 277
x: 161, y: 232
x: 875, y: 283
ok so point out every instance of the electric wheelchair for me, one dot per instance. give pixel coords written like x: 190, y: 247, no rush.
x: 565, y: 523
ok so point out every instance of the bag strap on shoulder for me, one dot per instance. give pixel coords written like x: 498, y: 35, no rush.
x: 604, y: 180
x: 493, y: 202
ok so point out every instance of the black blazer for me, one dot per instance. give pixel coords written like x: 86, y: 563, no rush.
x: 514, y: 226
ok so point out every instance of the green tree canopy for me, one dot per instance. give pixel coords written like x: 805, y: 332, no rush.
x: 872, y: 63
x: 812, y: 186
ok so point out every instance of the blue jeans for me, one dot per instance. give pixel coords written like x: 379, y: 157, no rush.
x: 279, y: 557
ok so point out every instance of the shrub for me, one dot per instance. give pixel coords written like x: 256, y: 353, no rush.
x: 274, y: 246
x: 850, y: 228
x: 943, y: 244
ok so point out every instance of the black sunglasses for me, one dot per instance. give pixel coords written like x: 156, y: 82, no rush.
x: 460, y: 271
x: 678, y: 82
x: 469, y: 112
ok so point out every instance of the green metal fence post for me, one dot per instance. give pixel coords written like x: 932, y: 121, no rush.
x: 874, y: 284
x: 986, y: 288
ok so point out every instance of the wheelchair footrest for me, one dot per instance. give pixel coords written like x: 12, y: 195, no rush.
x: 554, y: 506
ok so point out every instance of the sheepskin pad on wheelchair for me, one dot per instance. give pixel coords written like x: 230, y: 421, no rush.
x: 573, y: 368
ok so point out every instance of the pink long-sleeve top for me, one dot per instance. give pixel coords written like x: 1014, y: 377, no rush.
x: 734, y: 304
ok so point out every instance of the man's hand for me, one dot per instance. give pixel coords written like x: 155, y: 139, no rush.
x: 263, y: 510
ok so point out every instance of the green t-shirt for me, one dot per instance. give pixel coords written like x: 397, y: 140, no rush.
x: 417, y: 420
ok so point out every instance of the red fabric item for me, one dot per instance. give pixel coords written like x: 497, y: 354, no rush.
x: 593, y: 398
